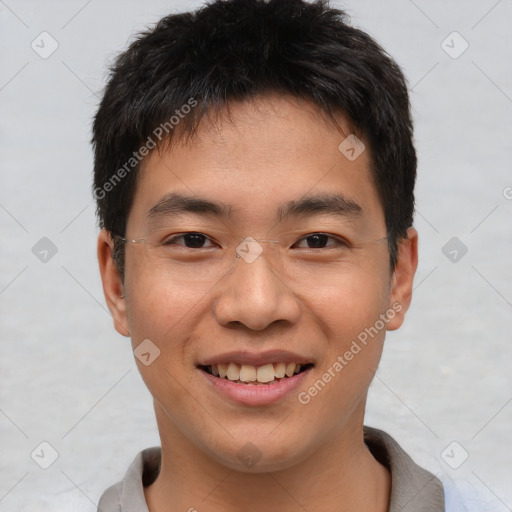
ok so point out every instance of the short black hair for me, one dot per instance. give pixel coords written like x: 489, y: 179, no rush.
x: 190, y: 64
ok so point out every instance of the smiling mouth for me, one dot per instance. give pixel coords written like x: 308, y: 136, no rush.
x: 255, y: 375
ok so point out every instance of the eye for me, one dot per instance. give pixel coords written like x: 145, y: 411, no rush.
x: 190, y: 240
x: 320, y: 241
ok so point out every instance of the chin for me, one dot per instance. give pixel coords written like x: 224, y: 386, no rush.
x: 261, y: 454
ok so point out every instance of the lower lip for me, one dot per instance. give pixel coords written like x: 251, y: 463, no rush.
x: 256, y: 394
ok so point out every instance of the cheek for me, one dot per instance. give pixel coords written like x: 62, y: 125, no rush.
x: 351, y: 302
x: 166, y: 315
x: 158, y: 307
x: 355, y: 336
x: 350, y: 310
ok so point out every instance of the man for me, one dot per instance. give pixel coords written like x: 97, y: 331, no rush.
x: 254, y: 175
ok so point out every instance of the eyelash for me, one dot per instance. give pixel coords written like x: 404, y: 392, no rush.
x: 339, y: 241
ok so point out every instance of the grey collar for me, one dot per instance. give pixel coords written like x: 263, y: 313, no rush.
x: 413, y: 489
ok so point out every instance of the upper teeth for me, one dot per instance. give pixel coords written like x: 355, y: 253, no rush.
x: 250, y: 373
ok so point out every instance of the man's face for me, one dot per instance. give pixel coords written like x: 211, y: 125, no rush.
x: 289, y: 297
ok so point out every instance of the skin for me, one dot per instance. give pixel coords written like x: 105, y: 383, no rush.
x: 268, y: 151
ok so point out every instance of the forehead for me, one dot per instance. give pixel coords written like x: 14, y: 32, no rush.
x: 255, y: 159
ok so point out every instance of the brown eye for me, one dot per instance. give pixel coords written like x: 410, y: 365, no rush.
x: 190, y: 240
x: 319, y: 241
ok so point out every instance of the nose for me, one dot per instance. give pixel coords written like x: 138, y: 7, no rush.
x: 255, y: 294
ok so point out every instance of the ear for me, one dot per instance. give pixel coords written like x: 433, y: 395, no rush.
x: 113, y: 288
x: 403, y: 277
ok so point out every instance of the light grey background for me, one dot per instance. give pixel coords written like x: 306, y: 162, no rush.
x: 67, y: 378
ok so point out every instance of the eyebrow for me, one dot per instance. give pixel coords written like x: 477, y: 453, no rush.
x: 335, y: 204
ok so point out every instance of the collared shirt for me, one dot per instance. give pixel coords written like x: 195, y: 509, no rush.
x: 413, y: 489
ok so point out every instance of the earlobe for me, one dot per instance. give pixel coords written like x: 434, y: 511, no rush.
x: 113, y: 288
x: 403, y: 277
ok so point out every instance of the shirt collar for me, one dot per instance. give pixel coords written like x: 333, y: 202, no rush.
x: 413, y: 489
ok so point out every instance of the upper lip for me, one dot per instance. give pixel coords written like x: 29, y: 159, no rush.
x: 255, y: 358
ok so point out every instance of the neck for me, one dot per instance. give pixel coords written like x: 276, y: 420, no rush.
x: 340, y: 476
